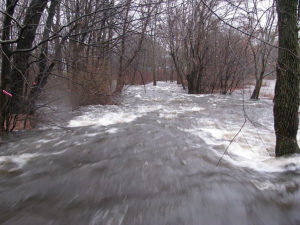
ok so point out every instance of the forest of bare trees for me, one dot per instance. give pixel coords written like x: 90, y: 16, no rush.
x: 82, y: 48
x: 88, y: 50
x: 149, y: 112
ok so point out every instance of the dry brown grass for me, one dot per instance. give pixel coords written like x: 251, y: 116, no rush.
x: 268, y: 96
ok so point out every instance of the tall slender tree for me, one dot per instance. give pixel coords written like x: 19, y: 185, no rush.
x: 6, y: 55
x: 286, y: 100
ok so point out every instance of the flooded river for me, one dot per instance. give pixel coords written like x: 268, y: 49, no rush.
x: 151, y: 160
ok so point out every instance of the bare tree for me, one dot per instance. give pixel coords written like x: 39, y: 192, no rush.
x: 6, y: 55
x: 286, y: 101
x: 174, y: 36
x: 81, y: 39
x: 261, y: 23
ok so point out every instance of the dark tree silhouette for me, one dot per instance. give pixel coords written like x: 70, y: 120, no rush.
x: 286, y: 100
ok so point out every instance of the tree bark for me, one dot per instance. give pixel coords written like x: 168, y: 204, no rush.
x: 120, y: 81
x: 179, y: 74
x: 286, y: 101
x: 154, y: 61
x: 44, y: 68
x: 58, y: 45
x: 192, y: 88
x: 18, y: 74
x: 6, y: 55
x: 256, y: 91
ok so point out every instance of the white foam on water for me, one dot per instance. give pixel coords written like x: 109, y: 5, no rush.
x: 105, y: 120
x: 59, y: 143
x: 112, y: 130
x: 146, y: 109
x: 18, y: 161
x: 253, y: 147
x: 248, y: 149
x: 91, y: 134
x: 174, y: 113
x: 268, y: 185
x: 43, y: 141
x: 168, y: 116
x: 109, y: 115
x: 194, y: 109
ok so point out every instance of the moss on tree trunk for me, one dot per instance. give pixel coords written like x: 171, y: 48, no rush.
x: 286, y: 100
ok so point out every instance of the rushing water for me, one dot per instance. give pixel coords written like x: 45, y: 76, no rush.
x: 151, y: 160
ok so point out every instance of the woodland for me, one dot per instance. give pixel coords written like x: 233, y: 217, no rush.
x: 137, y: 112
x: 87, y: 51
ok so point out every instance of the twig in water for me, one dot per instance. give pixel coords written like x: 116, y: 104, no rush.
x: 232, y: 140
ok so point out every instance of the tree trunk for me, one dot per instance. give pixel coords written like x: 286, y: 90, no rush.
x: 199, y: 81
x: 18, y: 74
x: 153, y: 30
x: 154, y: 62
x: 192, y: 88
x: 6, y: 55
x: 58, y: 46
x: 121, y: 81
x: 154, y: 72
x: 44, y: 68
x: 256, y: 91
x: 286, y: 101
x: 259, y: 80
x: 179, y: 74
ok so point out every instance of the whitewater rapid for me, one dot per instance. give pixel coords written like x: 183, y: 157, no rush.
x: 253, y: 147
